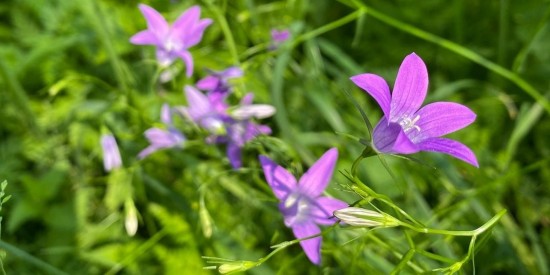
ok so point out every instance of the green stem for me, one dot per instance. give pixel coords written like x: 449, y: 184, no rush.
x: 364, y: 189
x: 226, y: 32
x: 367, y: 152
x: 454, y: 47
x: 30, y: 259
x: 328, y: 27
x: 475, y: 232
x: 146, y: 246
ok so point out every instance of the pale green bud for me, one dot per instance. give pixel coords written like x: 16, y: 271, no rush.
x: 236, y: 267
x: 361, y: 217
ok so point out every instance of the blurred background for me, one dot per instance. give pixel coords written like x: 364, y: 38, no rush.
x: 69, y: 74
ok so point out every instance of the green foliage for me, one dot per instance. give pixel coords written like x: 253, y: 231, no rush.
x: 69, y: 74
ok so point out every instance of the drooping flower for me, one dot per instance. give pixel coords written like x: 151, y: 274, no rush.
x: 172, y: 41
x: 160, y: 138
x: 301, y: 203
x: 241, y: 129
x: 209, y: 113
x: 111, y: 154
x: 232, y: 126
x: 406, y: 128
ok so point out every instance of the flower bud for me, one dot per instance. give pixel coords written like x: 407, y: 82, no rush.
x: 236, y: 266
x: 361, y: 217
x: 258, y: 111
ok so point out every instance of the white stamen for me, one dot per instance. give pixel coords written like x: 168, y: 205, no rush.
x: 407, y: 123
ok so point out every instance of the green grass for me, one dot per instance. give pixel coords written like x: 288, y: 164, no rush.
x: 68, y: 74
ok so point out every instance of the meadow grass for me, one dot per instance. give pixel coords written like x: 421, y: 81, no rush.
x: 68, y: 75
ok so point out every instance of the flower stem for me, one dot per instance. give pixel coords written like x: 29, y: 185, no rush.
x: 367, y: 152
x: 475, y: 232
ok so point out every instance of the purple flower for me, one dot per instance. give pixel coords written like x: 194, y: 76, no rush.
x: 172, y: 41
x: 241, y: 129
x: 406, y: 128
x: 238, y: 134
x: 161, y: 139
x: 279, y: 37
x: 209, y: 114
x: 232, y: 126
x: 217, y: 82
x: 111, y: 155
x: 301, y: 203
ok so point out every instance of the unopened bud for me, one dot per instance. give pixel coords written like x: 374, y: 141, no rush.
x: 236, y: 267
x: 258, y: 111
x: 361, y: 217
x: 131, y: 221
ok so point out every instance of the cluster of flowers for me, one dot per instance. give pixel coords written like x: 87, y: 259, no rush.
x: 405, y: 127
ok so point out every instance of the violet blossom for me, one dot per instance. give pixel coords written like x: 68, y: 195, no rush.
x: 172, y: 41
x: 301, y: 203
x: 111, y: 154
x: 278, y: 37
x: 232, y: 126
x: 216, y: 84
x: 406, y: 128
x: 209, y: 113
x: 160, y: 138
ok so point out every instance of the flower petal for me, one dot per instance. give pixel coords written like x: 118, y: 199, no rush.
x: 164, y: 139
x: 323, y: 209
x: 111, y: 154
x: 450, y: 147
x: 195, y: 36
x: 403, y: 145
x: 188, y: 60
x: 410, y: 87
x: 199, y: 105
x: 312, y: 247
x: 234, y: 155
x: 258, y: 111
x: 232, y: 72
x: 186, y: 21
x: 384, y: 136
x: 208, y: 83
x: 279, y: 179
x: 166, y: 114
x: 147, y: 151
x: 155, y: 21
x: 441, y: 118
x: 316, y: 179
x: 377, y: 87
x: 145, y: 37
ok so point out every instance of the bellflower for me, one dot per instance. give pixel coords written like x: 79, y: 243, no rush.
x: 241, y: 129
x: 301, y: 203
x: 278, y: 37
x: 217, y: 82
x: 209, y: 113
x: 406, y: 128
x: 111, y: 154
x: 160, y: 138
x: 172, y: 41
x: 232, y: 126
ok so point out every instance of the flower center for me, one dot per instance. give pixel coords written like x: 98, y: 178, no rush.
x: 296, y: 208
x: 171, y: 45
x: 408, y: 124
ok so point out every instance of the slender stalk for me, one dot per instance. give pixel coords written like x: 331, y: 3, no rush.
x: 328, y: 27
x: 226, y: 32
x: 475, y: 232
x: 30, y: 259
